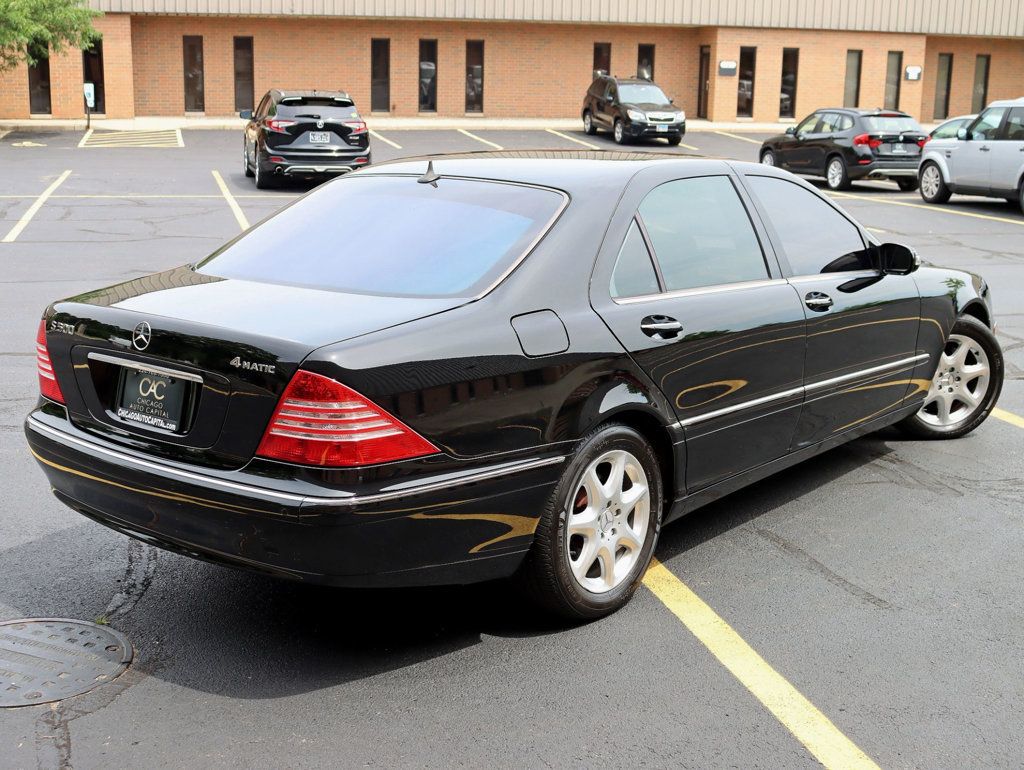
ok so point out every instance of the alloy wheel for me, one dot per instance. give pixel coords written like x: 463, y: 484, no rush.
x: 587, y: 122
x: 618, y: 132
x: 930, y: 181
x: 608, y: 521
x: 768, y: 158
x: 960, y: 383
x: 835, y: 173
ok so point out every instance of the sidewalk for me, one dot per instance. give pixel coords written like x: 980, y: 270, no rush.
x: 376, y: 123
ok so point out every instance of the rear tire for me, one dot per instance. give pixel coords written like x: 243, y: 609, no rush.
x: 588, y: 124
x: 907, y: 183
x: 835, y: 174
x: 595, y: 539
x: 1020, y: 196
x: 965, y: 387
x: 264, y: 179
x: 933, y: 188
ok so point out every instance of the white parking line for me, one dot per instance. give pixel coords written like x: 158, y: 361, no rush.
x: 232, y: 203
x: 741, y: 138
x: 485, y: 141
x: 927, y: 207
x: 384, y: 139
x: 574, y: 139
x: 85, y: 137
x: 34, y: 208
x: 181, y: 142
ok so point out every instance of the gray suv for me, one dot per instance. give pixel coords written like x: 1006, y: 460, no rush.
x: 985, y: 158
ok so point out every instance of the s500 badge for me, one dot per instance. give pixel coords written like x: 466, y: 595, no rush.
x: 238, y: 363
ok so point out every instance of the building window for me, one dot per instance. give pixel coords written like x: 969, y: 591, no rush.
x: 893, y: 74
x: 943, y: 77
x: 39, y: 81
x: 195, y: 98
x: 380, y: 75
x: 645, y: 62
x: 745, y: 87
x: 851, y: 92
x: 603, y: 57
x: 474, y: 76
x: 92, y: 72
x: 979, y: 97
x: 428, y: 76
x: 244, y: 83
x: 787, y: 96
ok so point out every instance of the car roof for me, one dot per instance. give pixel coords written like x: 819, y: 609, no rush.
x: 1018, y: 102
x: 865, y: 113
x: 566, y: 170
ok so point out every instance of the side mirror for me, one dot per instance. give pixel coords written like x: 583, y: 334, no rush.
x: 791, y: 130
x: 962, y: 134
x: 245, y: 114
x: 897, y: 259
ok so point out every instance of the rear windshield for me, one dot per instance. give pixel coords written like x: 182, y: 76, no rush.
x: 393, y: 236
x: 880, y: 124
x: 316, y: 108
x: 637, y: 93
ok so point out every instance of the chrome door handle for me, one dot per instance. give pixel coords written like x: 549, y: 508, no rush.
x: 661, y: 327
x: 818, y: 301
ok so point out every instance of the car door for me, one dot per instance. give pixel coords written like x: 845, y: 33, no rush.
x: 970, y: 163
x: 1007, y: 156
x: 798, y: 153
x: 605, y: 105
x: 686, y: 286
x: 862, y: 325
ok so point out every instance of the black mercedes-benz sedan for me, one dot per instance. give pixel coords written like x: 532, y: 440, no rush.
x: 303, y: 134
x: 844, y: 145
x: 489, y: 366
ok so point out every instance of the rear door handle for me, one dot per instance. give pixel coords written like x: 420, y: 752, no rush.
x: 818, y: 301
x: 661, y: 327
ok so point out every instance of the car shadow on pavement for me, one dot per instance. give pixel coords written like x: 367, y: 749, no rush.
x: 246, y: 635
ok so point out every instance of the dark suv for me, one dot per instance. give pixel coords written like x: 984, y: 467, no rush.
x: 303, y: 134
x: 844, y: 145
x: 631, y: 108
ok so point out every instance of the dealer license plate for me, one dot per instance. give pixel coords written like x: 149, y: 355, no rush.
x: 152, y: 400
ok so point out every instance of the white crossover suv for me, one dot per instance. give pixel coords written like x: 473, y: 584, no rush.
x: 985, y: 158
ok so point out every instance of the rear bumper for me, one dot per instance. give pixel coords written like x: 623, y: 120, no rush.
x: 314, y: 164
x: 461, y: 527
x: 883, y: 169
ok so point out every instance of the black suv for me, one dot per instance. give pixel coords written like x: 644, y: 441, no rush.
x: 631, y: 108
x: 844, y: 144
x: 303, y: 134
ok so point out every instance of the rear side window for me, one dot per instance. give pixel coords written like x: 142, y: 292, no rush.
x: 815, y: 237
x: 393, y: 236
x: 882, y: 124
x: 634, y: 274
x: 701, y: 234
x: 1014, y: 129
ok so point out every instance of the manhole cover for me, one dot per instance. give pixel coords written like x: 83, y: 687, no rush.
x: 47, y: 659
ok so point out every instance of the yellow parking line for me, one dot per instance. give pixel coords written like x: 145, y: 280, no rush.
x: 384, y: 139
x: 573, y: 139
x: 479, y: 139
x: 797, y: 714
x: 34, y: 208
x: 741, y: 138
x: 929, y: 207
x: 1009, y: 417
x: 232, y: 203
x: 85, y: 137
x: 689, y: 147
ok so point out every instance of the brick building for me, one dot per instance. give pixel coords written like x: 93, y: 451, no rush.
x: 764, y: 60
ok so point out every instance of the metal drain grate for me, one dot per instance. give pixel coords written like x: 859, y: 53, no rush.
x: 46, y: 659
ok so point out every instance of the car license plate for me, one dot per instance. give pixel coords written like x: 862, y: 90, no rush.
x: 320, y: 137
x: 151, y: 399
x: 661, y: 129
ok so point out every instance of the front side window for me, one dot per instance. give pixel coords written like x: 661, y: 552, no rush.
x: 815, y: 237
x: 634, y: 274
x: 987, y: 124
x: 807, y: 124
x: 393, y: 236
x: 701, y: 234
x: 948, y: 130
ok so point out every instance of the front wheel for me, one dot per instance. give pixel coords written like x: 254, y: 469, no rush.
x: 835, y: 174
x: 588, y: 124
x: 674, y: 141
x: 597, y: 533
x: 933, y: 188
x: 907, y: 183
x: 768, y: 158
x: 619, y: 132
x: 965, y: 387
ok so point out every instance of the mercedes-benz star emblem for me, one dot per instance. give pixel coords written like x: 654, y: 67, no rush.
x: 141, y: 336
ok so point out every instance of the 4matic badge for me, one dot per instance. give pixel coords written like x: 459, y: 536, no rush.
x: 238, y: 363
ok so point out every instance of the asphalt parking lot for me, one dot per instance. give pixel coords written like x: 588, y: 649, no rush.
x: 879, y: 582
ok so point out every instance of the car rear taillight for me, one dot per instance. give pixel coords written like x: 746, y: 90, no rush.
x: 864, y: 140
x: 321, y: 422
x: 356, y: 126
x: 923, y: 142
x: 48, y: 384
x: 278, y: 126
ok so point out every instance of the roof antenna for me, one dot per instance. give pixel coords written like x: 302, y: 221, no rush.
x: 430, y: 176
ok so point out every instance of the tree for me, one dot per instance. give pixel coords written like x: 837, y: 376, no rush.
x: 30, y: 27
